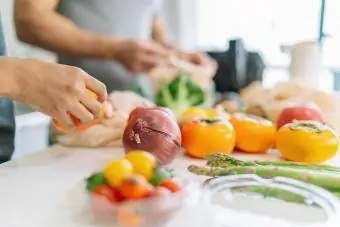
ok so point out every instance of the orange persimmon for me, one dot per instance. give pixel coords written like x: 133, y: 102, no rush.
x: 205, y: 136
x: 253, y: 134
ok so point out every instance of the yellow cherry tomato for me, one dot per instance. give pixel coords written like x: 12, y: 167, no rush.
x: 205, y: 136
x: 117, y: 171
x: 307, y: 141
x: 143, y: 163
x: 253, y: 134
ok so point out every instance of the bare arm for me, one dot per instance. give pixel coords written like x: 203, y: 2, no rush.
x: 38, y: 23
x: 54, y: 89
x: 8, y: 84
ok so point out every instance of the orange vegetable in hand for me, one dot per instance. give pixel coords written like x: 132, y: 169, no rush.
x: 253, y: 134
x: 76, y: 121
x: 205, y: 136
x: 135, y: 187
x: 307, y: 141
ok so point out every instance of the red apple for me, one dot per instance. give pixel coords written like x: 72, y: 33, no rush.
x: 289, y: 114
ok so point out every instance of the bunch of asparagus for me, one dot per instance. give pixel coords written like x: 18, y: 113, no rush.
x: 325, y: 176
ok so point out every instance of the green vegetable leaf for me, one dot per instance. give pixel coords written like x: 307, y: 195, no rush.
x: 95, y: 180
x: 181, y: 94
x: 159, y: 175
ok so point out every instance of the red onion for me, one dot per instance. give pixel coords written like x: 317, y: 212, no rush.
x: 153, y: 129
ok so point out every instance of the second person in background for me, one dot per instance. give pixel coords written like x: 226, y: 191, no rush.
x: 113, y: 40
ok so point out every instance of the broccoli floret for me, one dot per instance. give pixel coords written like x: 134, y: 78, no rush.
x: 181, y: 94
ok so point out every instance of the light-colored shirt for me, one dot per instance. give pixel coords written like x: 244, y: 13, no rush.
x: 120, y: 18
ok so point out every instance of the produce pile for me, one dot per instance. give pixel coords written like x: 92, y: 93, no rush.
x: 135, y: 177
x: 325, y: 176
x: 177, y: 119
x: 270, y: 102
x: 300, y: 141
x: 299, y: 133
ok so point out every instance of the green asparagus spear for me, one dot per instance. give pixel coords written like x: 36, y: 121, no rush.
x: 325, y: 180
x: 337, y: 194
x: 272, y: 193
x: 224, y: 160
x: 275, y: 193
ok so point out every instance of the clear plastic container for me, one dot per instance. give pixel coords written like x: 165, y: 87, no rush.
x: 298, y: 202
x: 150, y: 212
x: 279, y: 198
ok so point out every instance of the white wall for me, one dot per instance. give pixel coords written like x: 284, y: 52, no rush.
x: 180, y: 16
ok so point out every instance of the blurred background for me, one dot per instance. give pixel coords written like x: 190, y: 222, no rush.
x: 251, y: 40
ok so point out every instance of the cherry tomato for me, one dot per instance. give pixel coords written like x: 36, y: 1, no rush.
x: 253, y: 134
x: 143, y: 163
x: 172, y: 185
x: 135, y: 187
x: 117, y: 171
x: 205, y: 136
x: 110, y: 194
x: 160, y: 192
x: 307, y: 141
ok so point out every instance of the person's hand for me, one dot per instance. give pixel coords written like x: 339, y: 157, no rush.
x: 141, y: 56
x: 58, y: 90
x: 201, y: 59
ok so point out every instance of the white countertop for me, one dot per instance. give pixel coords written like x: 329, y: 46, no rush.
x: 46, y: 189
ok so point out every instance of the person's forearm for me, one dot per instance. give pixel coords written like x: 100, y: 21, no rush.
x: 54, y: 32
x: 8, y: 70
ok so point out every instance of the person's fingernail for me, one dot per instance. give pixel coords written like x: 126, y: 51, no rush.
x: 109, y: 111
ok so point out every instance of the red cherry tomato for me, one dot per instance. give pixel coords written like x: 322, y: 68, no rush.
x: 172, y: 185
x: 160, y: 192
x: 109, y: 193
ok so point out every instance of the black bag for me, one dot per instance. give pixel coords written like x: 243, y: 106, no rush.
x: 237, y: 67
x: 7, y: 120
